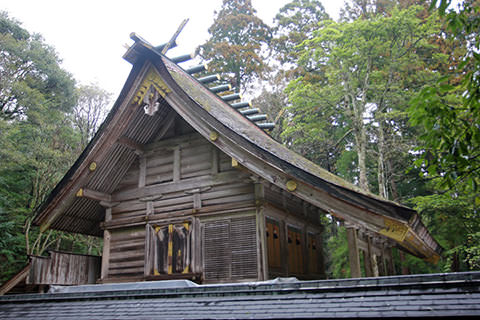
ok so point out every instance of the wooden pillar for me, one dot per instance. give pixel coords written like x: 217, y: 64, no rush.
x: 106, y: 246
x: 381, y: 263
x: 262, y: 259
x: 403, y: 263
x: 389, y: 261
x: 149, y: 259
x: 353, y: 256
x: 284, y: 247
x: 320, y: 248
x: 368, y: 258
x: 306, y: 258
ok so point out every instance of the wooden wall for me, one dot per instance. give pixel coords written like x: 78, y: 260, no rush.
x: 294, y: 236
x: 183, y: 186
x: 182, y: 179
x: 61, y: 268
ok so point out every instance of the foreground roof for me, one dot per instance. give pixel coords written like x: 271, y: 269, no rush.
x: 435, y: 295
x: 233, y: 134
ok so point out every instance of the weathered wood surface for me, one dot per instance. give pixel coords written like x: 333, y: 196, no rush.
x: 64, y: 269
x: 280, y: 166
x: 15, y: 280
x: 230, y: 249
x: 353, y: 253
x: 127, y: 252
x: 176, y: 179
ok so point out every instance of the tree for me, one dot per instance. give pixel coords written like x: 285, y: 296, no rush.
x: 237, y: 40
x: 449, y: 111
x: 30, y: 76
x: 294, y: 23
x: 442, y: 212
x: 90, y: 111
x: 368, y: 75
x: 367, y: 9
x: 38, y: 142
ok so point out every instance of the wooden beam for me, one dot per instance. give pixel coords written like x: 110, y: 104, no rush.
x: 185, y: 185
x: 166, y: 125
x: 131, y: 144
x: 10, y: 284
x: 94, y: 195
x: 328, y: 196
x: 115, y: 127
x: 172, y: 40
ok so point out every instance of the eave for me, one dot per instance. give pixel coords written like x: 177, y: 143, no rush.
x: 236, y: 136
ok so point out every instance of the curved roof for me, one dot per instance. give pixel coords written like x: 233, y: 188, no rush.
x: 235, y: 135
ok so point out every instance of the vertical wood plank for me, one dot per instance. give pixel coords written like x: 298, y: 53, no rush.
x: 176, y: 164
x: 353, y: 256
x: 284, y: 248
x: 404, y: 267
x: 215, y: 160
x: 195, y: 245
x: 106, y: 246
x: 390, y: 265
x: 106, y: 254
x: 142, y: 171
x: 197, y: 201
x: 148, y: 261
x: 368, y: 258
x: 150, y: 208
x: 305, y: 257
x: 262, y: 259
x: 321, y: 257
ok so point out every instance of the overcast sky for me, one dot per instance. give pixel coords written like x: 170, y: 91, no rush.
x: 89, y: 35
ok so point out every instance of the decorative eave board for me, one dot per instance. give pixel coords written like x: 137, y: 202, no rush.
x: 250, y: 146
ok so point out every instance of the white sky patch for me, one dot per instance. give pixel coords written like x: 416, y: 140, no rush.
x: 89, y: 35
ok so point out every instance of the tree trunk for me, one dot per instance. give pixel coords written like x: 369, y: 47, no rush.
x: 361, y: 140
x: 392, y: 183
x: 381, y: 174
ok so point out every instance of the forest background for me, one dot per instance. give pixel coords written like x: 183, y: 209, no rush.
x: 387, y: 97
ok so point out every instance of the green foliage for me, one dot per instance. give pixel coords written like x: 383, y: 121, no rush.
x: 31, y: 79
x: 236, y: 43
x: 361, y: 75
x: 338, y: 266
x: 449, y: 111
x: 455, y: 221
x: 294, y: 23
x: 90, y: 111
x: 38, y: 143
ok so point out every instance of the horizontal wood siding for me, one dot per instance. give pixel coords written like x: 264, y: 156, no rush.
x: 127, y: 253
x: 190, y: 177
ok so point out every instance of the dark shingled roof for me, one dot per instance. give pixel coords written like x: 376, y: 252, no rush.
x: 435, y: 295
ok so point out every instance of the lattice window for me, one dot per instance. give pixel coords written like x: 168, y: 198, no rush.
x: 230, y: 249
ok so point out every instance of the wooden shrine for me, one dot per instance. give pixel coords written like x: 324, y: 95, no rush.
x: 184, y: 183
